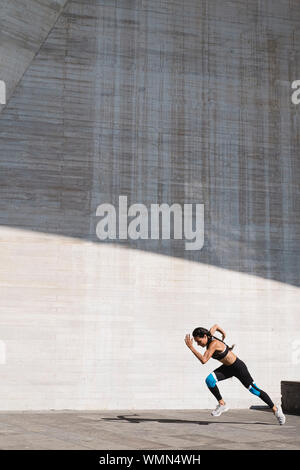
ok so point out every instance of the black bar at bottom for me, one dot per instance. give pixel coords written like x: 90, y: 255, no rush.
x: 132, y: 459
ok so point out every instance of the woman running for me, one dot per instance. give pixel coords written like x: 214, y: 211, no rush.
x: 232, y: 367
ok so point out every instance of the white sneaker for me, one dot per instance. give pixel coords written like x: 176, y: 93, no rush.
x: 219, y: 410
x: 279, y: 415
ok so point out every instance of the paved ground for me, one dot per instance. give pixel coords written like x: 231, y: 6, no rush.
x: 161, y: 429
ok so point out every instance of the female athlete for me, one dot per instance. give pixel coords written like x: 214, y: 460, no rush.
x: 231, y: 366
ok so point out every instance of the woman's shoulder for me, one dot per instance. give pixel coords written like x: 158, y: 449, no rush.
x: 215, y: 342
x: 218, y: 343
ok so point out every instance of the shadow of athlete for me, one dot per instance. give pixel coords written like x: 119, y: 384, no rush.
x: 232, y: 367
x: 135, y: 419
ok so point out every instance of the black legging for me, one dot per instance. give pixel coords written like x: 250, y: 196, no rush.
x: 239, y: 370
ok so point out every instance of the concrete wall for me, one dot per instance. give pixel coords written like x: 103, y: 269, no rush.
x: 24, y: 26
x: 162, y: 101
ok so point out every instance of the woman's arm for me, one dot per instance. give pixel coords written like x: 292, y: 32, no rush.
x: 203, y: 358
x: 215, y: 328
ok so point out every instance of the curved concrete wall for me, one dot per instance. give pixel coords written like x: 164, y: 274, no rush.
x: 161, y: 101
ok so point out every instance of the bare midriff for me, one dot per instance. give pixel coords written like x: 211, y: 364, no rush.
x: 228, y: 359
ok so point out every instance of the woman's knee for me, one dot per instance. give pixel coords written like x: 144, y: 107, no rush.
x: 211, y: 380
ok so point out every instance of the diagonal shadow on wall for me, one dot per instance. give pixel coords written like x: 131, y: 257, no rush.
x: 24, y: 26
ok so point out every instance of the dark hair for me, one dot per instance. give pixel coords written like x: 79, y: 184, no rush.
x: 199, y: 331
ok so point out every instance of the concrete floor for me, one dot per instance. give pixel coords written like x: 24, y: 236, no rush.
x: 156, y: 429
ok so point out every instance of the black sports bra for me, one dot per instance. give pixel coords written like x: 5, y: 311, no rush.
x: 218, y: 355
